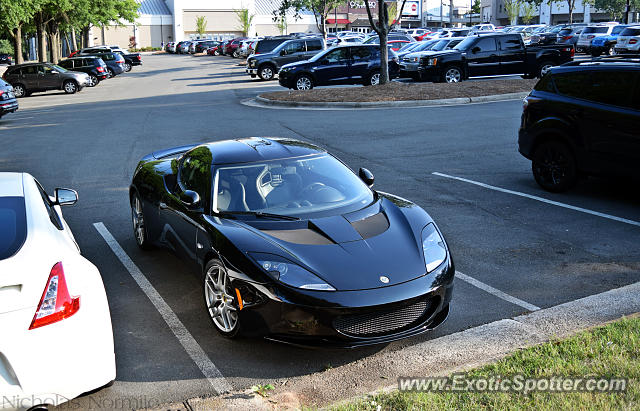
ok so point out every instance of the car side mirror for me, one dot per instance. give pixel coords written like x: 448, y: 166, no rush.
x: 65, y: 196
x: 190, y: 198
x: 366, y: 176
x: 475, y: 50
x: 283, y: 52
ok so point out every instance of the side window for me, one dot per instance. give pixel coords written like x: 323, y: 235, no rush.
x: 510, y: 43
x: 195, y: 171
x: 612, y: 87
x: 360, y: 53
x: 486, y: 44
x: 295, y: 47
x: 572, y: 84
x: 337, y: 55
x: 29, y: 70
x: 53, y: 215
x: 314, y: 45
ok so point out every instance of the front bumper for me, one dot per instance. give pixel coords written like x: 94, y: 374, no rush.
x: 408, y: 69
x: 429, y: 73
x: 252, y: 71
x: 347, y: 319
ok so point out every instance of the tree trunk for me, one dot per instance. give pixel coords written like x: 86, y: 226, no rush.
x: 570, y: 3
x: 17, y: 44
x: 74, y: 43
x: 41, y: 37
x: 54, y: 42
x: 383, y: 22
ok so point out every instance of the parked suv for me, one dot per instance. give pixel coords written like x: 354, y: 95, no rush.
x: 606, y: 44
x: 267, y: 45
x: 629, y: 40
x: 589, y: 33
x: 357, y: 64
x: 583, y: 119
x: 114, y: 62
x: 8, y: 102
x: 93, y: 66
x: 33, y: 77
x: 266, y: 65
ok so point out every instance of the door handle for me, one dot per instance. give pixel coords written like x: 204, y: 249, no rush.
x: 199, y: 246
x: 163, y: 205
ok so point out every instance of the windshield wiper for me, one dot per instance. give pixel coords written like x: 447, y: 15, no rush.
x: 259, y: 214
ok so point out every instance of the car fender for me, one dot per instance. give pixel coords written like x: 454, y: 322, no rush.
x: 555, y: 127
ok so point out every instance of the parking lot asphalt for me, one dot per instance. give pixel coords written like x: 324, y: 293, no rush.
x: 501, y: 231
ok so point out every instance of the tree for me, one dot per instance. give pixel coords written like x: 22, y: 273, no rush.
x: 201, y: 25
x: 616, y: 8
x: 385, y: 24
x: 476, y: 9
x: 14, y: 14
x: 528, y: 12
x: 282, y: 24
x: 245, y: 20
x: 320, y: 9
x: 512, y: 8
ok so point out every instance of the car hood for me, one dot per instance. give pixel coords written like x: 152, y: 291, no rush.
x: 295, y: 64
x: 438, y: 53
x: 351, y: 251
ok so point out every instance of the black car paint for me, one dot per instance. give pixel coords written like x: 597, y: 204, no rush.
x: 346, y: 71
x: 278, y: 57
x: 509, y: 55
x: 273, y: 309
x: 604, y: 137
x: 87, y: 64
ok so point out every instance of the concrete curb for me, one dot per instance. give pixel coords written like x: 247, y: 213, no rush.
x: 391, y: 104
x: 438, y: 357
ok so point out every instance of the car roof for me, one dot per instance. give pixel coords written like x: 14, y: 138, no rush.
x: 11, y: 185
x: 252, y: 149
x: 604, y: 63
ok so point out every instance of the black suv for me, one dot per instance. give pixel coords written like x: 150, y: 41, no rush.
x: 266, y: 65
x: 583, y: 118
x: 95, y: 67
x: 358, y: 64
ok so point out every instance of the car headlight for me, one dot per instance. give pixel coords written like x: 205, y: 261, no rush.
x: 285, y: 69
x: 435, y: 252
x: 432, y: 61
x: 280, y: 269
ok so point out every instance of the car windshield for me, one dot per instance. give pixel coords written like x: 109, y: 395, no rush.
x: 409, y: 46
x: 13, y: 225
x: 293, y: 186
x: 441, y: 45
x: 465, y: 44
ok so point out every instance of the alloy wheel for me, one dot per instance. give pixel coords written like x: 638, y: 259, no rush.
x: 544, y: 69
x: 375, y: 79
x: 127, y: 67
x: 219, y: 299
x: 93, y: 81
x: 452, y: 75
x: 303, y: 83
x: 137, y: 216
x: 111, y: 73
x: 18, y: 90
x: 554, y: 167
x: 70, y: 87
x: 266, y: 73
x: 612, y: 51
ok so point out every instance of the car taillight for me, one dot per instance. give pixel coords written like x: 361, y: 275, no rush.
x: 567, y: 37
x: 99, y: 69
x: 633, y: 41
x: 56, y: 304
x: 139, y: 58
x: 590, y: 36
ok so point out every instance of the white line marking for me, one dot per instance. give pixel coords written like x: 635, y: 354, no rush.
x: 191, y: 346
x: 543, y: 200
x: 496, y: 292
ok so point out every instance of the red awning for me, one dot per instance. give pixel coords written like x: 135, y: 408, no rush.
x: 340, y: 21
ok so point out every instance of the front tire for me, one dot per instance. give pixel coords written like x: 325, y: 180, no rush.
x: 452, y: 74
x: 266, y: 72
x: 554, y: 166
x: 220, y: 299
x: 139, y: 226
x: 304, y: 82
x: 70, y: 87
x: 544, y: 68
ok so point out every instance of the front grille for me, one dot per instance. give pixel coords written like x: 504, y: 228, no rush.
x: 381, y: 322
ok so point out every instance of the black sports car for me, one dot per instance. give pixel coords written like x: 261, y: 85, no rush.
x: 291, y: 244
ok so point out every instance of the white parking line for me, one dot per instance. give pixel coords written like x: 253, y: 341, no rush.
x: 496, y: 292
x: 191, y: 346
x: 542, y: 200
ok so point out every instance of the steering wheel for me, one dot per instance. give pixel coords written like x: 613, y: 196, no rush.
x: 313, y: 187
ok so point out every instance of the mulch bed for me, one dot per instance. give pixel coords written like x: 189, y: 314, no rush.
x: 396, y: 91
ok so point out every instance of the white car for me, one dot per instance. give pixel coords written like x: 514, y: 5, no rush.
x: 589, y: 33
x: 628, y: 40
x: 56, y: 338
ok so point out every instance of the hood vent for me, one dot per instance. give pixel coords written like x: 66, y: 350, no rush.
x: 305, y: 236
x: 371, y: 226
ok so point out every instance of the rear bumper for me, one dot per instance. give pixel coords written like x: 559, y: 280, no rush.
x: 8, y: 106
